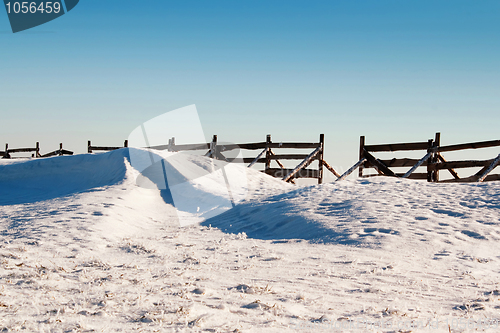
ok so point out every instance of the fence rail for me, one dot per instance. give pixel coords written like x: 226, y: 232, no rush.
x: 35, y: 150
x: 91, y: 149
x: 433, y: 160
x: 266, y: 156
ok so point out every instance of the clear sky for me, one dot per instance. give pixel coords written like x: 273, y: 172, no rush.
x: 389, y: 70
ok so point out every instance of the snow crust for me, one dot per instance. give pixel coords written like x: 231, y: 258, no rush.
x: 86, y: 246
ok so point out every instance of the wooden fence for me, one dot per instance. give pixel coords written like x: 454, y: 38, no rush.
x: 91, y: 149
x: 36, y: 151
x: 431, y: 150
x: 58, y: 152
x: 432, y: 159
x: 8, y: 151
x: 266, y: 156
x: 487, y: 166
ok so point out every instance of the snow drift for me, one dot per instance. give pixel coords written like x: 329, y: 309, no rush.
x: 372, y: 213
x: 93, y: 243
x: 197, y: 186
x: 26, y: 181
x: 362, y: 213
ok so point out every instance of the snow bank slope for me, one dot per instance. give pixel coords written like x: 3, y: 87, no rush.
x: 27, y: 181
x: 107, y: 255
x: 373, y: 213
x: 41, y: 179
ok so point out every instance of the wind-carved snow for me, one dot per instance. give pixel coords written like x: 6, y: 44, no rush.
x: 84, y: 248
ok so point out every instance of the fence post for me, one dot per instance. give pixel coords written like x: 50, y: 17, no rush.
x: 268, y: 153
x: 437, y: 143
x: 361, y: 154
x: 320, y: 158
x: 430, y: 172
x: 433, y: 175
x: 89, y: 147
x: 60, y: 149
x: 173, y: 143
x: 37, y: 150
x: 7, y: 155
x: 213, y: 147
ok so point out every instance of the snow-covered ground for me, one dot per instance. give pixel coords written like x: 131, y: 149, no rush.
x: 84, y: 248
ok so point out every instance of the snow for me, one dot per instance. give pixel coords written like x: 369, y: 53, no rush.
x: 88, y: 244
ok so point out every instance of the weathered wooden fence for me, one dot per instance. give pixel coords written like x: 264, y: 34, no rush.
x: 487, y: 166
x: 36, y: 151
x: 91, y: 149
x: 8, y: 151
x: 58, y: 152
x: 266, y: 156
x: 432, y: 159
x: 431, y: 150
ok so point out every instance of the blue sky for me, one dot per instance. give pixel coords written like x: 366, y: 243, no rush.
x: 390, y: 70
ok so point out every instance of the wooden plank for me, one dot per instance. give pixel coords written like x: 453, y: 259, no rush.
x: 218, y: 156
x: 22, y: 150
x: 401, y: 162
x: 471, y: 179
x: 418, y: 164
x: 490, y: 168
x: 52, y: 153
x: 295, y: 145
x: 361, y: 155
x: 195, y: 146
x: 332, y: 170
x: 277, y: 161
x: 214, y: 150
x: 66, y: 152
x: 268, y: 152
x: 303, y: 173
x: 378, y: 164
x: 460, y: 164
x: 397, y: 147
x: 351, y: 169
x: 434, y: 175
x: 289, y: 156
x: 415, y: 175
x: 302, y: 164
x: 280, y: 164
x: 6, y: 152
x: 249, y: 146
x: 491, y: 178
x: 258, y: 158
x: 453, y: 172
x: 104, y: 148
x: 59, y: 152
x: 320, y: 158
x: 160, y: 147
x: 473, y: 145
